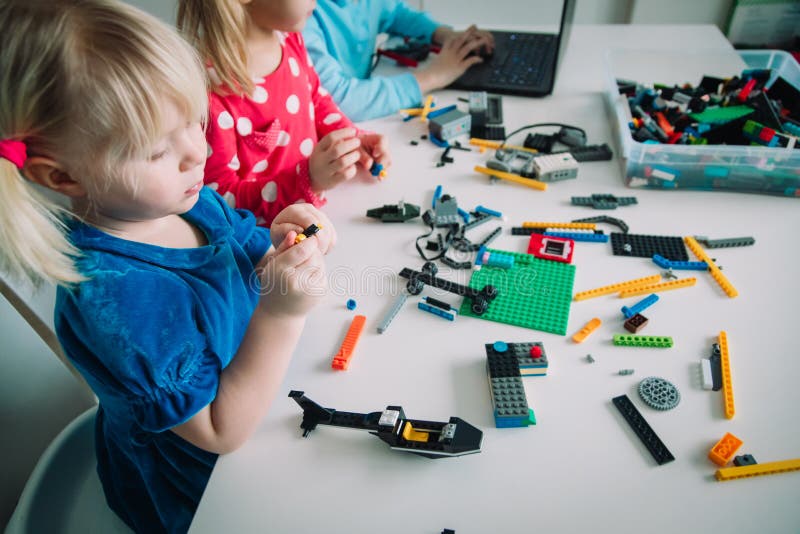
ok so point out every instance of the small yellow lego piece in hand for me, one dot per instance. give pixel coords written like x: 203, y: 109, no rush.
x: 308, y: 232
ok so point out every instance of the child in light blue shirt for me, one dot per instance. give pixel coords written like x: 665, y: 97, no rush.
x: 341, y: 37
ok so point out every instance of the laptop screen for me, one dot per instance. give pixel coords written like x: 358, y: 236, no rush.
x: 523, y: 63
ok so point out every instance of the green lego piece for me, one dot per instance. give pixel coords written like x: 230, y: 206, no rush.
x: 531, y: 417
x: 534, y: 293
x: 720, y: 115
x: 625, y: 340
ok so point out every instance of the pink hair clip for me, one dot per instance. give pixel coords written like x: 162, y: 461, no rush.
x: 14, y: 151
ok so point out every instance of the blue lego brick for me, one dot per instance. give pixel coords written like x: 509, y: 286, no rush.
x: 487, y: 211
x: 502, y: 261
x: 515, y: 422
x: 791, y: 128
x: 444, y: 314
x: 664, y: 263
x: 643, y: 304
x: 581, y: 236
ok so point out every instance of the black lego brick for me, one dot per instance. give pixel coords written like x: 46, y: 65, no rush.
x: 645, y: 246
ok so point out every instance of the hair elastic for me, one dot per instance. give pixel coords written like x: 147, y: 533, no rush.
x: 14, y: 151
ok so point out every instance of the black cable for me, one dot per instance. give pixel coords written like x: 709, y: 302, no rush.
x: 539, y: 125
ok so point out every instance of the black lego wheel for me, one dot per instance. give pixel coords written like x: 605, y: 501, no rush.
x: 430, y: 268
x: 479, y: 306
x: 414, y: 286
x: 489, y: 292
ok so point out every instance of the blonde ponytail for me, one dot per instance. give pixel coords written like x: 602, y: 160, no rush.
x: 217, y: 29
x: 33, y: 245
x: 82, y: 83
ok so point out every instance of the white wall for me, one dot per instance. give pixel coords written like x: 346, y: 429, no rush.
x: 502, y: 12
x: 164, y: 9
x: 681, y: 12
x: 515, y: 12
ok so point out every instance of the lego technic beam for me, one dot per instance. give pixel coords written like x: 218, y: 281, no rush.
x: 418, y: 279
x: 431, y: 439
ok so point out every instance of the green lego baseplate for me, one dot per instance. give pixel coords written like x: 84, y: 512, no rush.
x: 534, y: 293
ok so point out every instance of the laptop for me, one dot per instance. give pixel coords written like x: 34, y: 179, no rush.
x: 522, y: 63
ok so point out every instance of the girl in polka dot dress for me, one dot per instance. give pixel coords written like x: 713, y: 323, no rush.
x: 275, y: 135
x: 173, y: 306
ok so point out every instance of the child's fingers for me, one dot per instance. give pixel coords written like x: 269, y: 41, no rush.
x: 469, y: 46
x: 347, y: 160
x: 345, y: 174
x: 288, y: 241
x: 366, y: 159
x: 343, y: 147
x: 295, y: 254
x: 335, y: 136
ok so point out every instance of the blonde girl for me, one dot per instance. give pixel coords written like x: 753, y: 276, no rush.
x: 275, y: 135
x: 167, y: 300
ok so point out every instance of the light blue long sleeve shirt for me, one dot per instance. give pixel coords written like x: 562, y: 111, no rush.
x: 341, y: 36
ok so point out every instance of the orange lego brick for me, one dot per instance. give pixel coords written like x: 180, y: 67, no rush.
x: 666, y: 286
x: 727, y: 385
x: 723, y: 451
x: 715, y: 271
x: 769, y: 468
x: 647, y: 280
x: 587, y: 329
x: 342, y: 359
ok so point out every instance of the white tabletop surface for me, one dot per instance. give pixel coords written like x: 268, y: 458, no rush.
x: 580, y: 468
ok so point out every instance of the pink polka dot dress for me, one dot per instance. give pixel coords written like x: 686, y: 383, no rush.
x: 259, y: 144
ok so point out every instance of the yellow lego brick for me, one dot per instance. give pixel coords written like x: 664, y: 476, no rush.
x: 529, y: 182
x: 666, y: 286
x: 722, y: 452
x: 576, y: 226
x: 587, y: 329
x: 727, y: 386
x: 486, y: 143
x: 715, y: 271
x: 426, y: 108
x: 412, y: 434
x: 606, y: 290
x: 769, y: 468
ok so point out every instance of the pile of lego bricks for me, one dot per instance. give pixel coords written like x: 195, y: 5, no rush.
x: 750, y: 109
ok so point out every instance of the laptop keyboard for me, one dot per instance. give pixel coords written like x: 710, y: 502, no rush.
x: 522, y: 59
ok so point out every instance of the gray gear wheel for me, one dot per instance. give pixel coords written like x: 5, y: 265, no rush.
x: 659, y: 393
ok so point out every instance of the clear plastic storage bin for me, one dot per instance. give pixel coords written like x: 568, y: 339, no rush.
x: 753, y: 169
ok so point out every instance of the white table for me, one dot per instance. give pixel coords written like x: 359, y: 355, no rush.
x: 580, y: 468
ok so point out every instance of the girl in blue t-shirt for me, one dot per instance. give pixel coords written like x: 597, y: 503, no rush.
x: 172, y: 305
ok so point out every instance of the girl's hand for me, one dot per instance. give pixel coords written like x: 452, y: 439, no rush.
x: 334, y: 159
x: 443, y: 34
x: 460, y: 51
x: 293, y: 279
x: 374, y: 148
x: 298, y: 217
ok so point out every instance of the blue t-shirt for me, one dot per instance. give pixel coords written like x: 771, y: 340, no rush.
x: 340, y: 38
x: 151, y: 331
